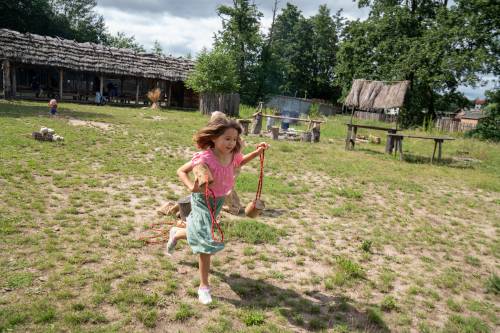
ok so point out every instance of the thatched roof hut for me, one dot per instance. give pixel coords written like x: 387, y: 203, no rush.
x: 67, y: 54
x: 371, y: 95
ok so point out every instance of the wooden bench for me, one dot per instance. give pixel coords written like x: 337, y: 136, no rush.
x: 398, y: 143
x: 352, y: 129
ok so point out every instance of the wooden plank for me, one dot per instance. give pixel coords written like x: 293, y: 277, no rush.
x: 290, y: 118
x: 422, y: 137
x: 372, y: 127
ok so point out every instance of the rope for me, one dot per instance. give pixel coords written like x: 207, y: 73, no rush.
x: 261, y: 178
x: 159, y: 236
x: 210, y: 194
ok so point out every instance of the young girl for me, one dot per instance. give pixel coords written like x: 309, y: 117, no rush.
x: 220, y: 141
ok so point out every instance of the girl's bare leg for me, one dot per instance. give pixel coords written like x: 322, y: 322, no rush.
x: 180, y: 234
x: 204, y: 265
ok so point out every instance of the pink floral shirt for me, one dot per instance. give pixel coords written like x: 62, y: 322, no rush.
x: 223, y: 175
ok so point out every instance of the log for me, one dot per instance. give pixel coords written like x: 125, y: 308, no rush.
x: 184, y: 207
x: 244, y: 124
x: 306, y: 137
x: 275, y: 131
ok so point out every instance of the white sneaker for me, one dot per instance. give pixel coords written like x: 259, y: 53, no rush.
x: 204, y: 295
x: 171, y: 242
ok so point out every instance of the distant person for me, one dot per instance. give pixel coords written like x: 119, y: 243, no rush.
x: 53, y: 107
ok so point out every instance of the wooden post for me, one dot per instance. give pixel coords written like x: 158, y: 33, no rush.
x: 440, y: 142
x: 434, y: 152
x: 7, y: 88
x: 400, y: 147
x: 348, y: 137
x: 14, y: 81
x: 101, y: 84
x: 61, y: 78
x: 169, y: 102
x: 316, y: 132
x: 390, y: 141
x: 136, y: 91
x: 275, y: 131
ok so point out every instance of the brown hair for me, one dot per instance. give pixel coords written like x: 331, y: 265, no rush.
x: 213, y: 130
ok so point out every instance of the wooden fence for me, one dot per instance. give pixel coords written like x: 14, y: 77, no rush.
x: 226, y: 103
x: 388, y: 118
x: 453, y: 125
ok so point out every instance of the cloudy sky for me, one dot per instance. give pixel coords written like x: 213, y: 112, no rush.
x: 186, y: 26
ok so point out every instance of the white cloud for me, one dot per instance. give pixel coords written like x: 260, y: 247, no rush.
x: 177, y: 35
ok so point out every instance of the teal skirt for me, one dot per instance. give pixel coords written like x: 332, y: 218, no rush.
x: 199, y: 224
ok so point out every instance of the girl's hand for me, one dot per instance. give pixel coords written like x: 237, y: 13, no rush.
x: 262, y: 146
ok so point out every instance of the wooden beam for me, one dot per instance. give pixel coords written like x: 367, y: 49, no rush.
x: 7, y: 88
x: 14, y: 81
x: 136, y: 91
x: 101, y: 84
x: 169, y: 102
x: 61, y: 78
x: 290, y: 118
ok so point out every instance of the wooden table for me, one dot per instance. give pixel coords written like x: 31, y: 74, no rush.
x: 398, y: 143
x: 352, y: 129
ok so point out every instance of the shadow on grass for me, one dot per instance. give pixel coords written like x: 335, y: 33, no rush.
x: 448, y: 162
x: 13, y: 110
x: 371, y: 152
x: 315, y: 312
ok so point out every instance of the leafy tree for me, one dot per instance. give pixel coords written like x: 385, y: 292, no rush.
x: 240, y: 37
x: 157, y: 49
x: 35, y: 16
x: 325, y: 45
x: 71, y: 19
x: 489, y: 127
x: 435, y: 45
x: 123, y: 41
x: 282, y: 49
x: 86, y: 24
x: 208, y: 76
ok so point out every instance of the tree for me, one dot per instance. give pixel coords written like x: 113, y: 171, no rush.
x: 86, y: 24
x: 70, y: 19
x: 325, y: 45
x: 240, y: 37
x: 282, y: 49
x: 207, y: 76
x: 123, y: 41
x: 157, y: 49
x: 436, y: 46
x: 34, y: 16
x: 489, y: 127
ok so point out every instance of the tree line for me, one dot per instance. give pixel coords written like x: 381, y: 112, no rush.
x: 69, y: 19
x: 435, y: 44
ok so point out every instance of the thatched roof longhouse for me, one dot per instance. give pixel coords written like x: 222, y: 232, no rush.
x: 369, y: 95
x: 62, y: 53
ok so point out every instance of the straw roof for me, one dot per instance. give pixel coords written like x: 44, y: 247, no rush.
x: 368, y: 95
x: 62, y: 53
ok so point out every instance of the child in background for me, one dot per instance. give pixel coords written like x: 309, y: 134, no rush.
x: 221, y: 144
x: 53, y: 107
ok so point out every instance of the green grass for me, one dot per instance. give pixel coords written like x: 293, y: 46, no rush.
x: 397, y: 245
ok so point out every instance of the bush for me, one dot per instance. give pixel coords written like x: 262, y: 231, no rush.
x: 489, y: 127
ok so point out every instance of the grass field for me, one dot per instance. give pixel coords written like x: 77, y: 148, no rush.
x: 352, y: 241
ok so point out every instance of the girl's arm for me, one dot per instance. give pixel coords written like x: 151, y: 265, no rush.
x: 250, y: 156
x: 183, y: 173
